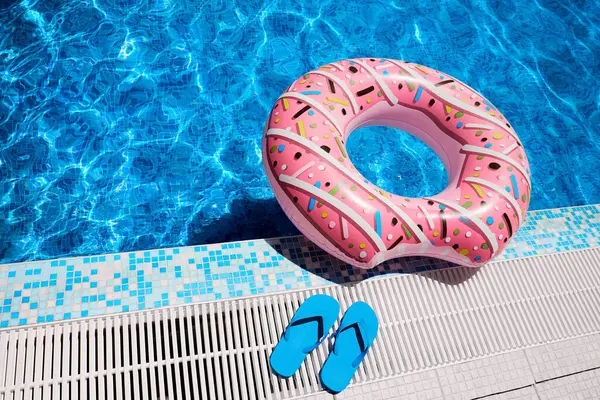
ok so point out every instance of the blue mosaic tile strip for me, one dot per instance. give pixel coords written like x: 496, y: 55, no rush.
x: 46, y: 291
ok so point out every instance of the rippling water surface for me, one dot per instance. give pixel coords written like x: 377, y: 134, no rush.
x: 133, y: 124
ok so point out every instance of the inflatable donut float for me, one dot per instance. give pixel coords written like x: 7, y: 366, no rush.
x: 304, y: 154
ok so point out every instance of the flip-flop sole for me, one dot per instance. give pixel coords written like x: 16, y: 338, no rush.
x: 337, y: 372
x: 288, y: 355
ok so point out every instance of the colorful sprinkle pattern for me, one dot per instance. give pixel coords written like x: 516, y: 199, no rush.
x: 469, y: 223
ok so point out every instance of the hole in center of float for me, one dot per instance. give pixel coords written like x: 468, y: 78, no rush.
x: 396, y: 161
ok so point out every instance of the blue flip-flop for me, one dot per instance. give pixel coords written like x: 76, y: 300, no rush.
x: 306, y: 331
x: 353, y: 339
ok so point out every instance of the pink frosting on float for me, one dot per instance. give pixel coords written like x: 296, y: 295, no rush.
x: 305, y: 158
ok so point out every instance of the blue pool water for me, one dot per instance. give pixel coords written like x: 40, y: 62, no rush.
x: 135, y: 124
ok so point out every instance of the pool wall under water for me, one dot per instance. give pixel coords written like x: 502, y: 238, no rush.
x: 129, y: 125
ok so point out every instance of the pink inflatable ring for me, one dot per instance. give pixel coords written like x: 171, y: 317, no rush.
x: 305, y: 158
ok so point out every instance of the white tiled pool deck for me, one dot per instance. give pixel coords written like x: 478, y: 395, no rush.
x: 72, y: 288
x: 549, y: 372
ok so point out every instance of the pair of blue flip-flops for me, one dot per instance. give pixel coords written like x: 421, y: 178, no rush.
x: 308, y: 329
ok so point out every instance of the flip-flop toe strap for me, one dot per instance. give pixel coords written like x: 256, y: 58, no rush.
x: 301, y: 321
x: 361, y: 338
